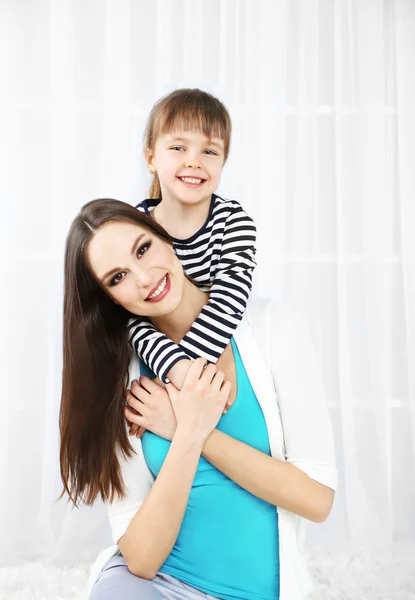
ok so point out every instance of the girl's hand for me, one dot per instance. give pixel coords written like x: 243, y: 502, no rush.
x: 199, y: 404
x: 149, y: 408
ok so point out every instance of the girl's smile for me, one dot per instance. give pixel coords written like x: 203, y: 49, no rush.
x: 192, y: 182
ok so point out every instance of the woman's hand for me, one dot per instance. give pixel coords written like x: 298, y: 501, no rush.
x: 149, y: 407
x: 199, y: 404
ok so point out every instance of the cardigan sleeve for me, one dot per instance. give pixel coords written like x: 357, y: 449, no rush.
x: 136, y: 476
x: 304, y: 412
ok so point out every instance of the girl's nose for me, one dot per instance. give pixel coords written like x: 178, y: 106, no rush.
x: 192, y: 160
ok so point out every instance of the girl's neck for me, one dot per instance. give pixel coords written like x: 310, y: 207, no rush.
x: 180, y: 220
x: 176, y: 324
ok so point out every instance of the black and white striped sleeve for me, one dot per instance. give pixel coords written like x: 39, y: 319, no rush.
x: 228, y: 296
x: 158, y: 352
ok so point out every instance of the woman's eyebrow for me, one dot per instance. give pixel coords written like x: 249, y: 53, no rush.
x: 133, y: 250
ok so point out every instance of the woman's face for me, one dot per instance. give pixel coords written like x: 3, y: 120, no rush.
x: 136, y: 268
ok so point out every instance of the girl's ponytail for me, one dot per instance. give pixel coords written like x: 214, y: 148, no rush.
x: 155, y: 188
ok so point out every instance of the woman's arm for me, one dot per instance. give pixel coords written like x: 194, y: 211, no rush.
x: 153, y: 531
x: 304, y: 483
x: 273, y: 480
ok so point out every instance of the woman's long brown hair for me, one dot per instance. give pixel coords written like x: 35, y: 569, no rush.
x: 96, y: 356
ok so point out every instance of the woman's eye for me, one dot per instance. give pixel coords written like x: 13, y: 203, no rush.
x: 143, y: 249
x: 117, y: 278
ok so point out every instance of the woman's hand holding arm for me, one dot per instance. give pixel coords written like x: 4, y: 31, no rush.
x: 275, y: 481
x: 149, y: 406
x: 155, y: 527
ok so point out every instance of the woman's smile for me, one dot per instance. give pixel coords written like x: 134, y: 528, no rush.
x: 160, y: 291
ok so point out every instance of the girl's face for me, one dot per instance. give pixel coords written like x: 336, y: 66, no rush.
x: 188, y: 165
x: 136, y: 268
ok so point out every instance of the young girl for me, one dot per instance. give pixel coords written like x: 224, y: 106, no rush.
x: 186, y: 145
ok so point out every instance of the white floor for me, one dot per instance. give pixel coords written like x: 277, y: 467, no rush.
x: 358, y: 575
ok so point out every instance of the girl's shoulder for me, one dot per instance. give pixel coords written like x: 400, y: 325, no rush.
x: 232, y: 209
x: 226, y: 203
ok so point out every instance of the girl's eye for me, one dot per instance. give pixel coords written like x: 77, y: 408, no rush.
x: 117, y: 278
x: 143, y: 249
x: 177, y: 148
x: 211, y: 152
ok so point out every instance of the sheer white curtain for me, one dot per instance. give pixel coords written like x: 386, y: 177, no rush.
x: 322, y: 95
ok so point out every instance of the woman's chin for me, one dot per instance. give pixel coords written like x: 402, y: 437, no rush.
x: 157, y: 309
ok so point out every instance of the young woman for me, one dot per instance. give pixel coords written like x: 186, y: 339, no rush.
x: 205, y: 504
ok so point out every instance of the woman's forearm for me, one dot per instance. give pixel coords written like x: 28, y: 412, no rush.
x: 275, y: 481
x: 153, y: 531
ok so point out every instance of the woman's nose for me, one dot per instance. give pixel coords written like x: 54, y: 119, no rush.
x: 143, y: 278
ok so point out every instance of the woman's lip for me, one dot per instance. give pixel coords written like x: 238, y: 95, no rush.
x: 163, y: 293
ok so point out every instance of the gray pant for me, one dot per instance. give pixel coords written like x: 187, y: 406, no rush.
x: 116, y: 582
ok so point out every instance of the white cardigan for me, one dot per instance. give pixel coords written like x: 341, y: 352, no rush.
x: 279, y: 358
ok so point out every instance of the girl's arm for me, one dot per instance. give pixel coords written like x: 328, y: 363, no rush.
x: 228, y: 296
x: 304, y: 483
x: 158, y: 352
x: 219, y: 318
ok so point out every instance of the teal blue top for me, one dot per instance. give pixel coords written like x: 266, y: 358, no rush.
x: 228, y: 543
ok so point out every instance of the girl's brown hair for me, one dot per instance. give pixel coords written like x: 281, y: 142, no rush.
x: 186, y: 109
x: 96, y: 357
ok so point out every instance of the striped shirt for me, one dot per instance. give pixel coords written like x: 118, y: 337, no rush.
x: 220, y: 259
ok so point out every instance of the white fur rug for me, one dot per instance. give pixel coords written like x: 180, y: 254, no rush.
x: 358, y: 575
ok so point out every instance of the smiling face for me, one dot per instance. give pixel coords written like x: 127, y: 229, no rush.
x: 188, y: 165
x: 137, y: 269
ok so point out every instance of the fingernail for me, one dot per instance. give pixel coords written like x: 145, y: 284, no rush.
x: 225, y: 411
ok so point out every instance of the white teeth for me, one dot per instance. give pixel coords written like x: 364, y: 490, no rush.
x: 194, y: 180
x: 159, y: 289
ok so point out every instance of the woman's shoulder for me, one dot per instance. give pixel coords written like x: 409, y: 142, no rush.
x: 278, y: 327
x: 275, y: 315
